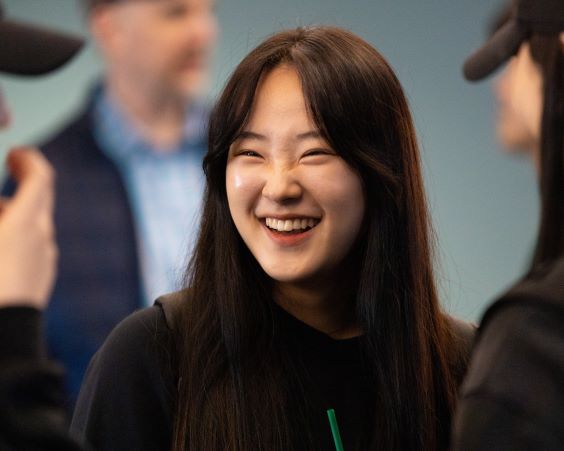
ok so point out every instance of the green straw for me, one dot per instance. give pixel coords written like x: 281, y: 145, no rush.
x: 335, y: 430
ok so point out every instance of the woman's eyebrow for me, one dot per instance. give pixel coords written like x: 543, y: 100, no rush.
x: 308, y: 135
x: 246, y: 134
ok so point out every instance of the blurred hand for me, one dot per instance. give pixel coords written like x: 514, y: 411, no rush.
x: 28, y: 253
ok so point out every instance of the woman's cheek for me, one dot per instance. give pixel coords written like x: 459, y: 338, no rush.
x: 243, y: 184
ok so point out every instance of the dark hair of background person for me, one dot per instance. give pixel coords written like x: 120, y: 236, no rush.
x: 547, y: 52
x: 236, y: 385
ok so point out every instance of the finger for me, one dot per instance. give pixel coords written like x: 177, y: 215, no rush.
x: 46, y: 224
x: 35, y: 179
x: 34, y: 176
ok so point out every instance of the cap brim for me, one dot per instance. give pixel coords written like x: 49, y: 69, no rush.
x: 32, y: 50
x: 497, y: 50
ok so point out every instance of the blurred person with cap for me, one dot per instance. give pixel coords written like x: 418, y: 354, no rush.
x: 513, y: 395
x: 31, y: 416
x: 129, y: 171
x: 516, y: 128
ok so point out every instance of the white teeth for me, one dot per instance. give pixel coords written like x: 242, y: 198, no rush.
x: 289, y: 225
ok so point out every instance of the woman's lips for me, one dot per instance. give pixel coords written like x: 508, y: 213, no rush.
x: 289, y: 232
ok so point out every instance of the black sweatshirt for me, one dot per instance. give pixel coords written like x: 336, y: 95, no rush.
x: 513, y: 397
x: 127, y: 398
x: 32, y: 416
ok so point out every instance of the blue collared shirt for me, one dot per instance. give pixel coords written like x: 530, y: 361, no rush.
x: 165, y: 190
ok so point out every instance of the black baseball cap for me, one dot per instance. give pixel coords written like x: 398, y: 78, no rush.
x: 27, y: 49
x: 527, y: 17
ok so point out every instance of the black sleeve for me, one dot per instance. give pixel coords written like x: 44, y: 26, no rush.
x: 513, y: 396
x: 126, y: 399
x: 32, y: 416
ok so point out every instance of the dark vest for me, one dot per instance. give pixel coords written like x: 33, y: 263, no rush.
x: 98, y: 281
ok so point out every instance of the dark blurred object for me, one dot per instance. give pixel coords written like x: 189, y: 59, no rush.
x: 527, y: 17
x: 32, y: 50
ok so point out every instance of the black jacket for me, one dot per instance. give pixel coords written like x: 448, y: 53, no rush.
x: 31, y: 388
x: 513, y: 397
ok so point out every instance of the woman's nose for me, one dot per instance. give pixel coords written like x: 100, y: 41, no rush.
x: 282, y: 186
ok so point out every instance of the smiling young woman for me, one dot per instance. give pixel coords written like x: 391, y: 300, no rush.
x: 311, y: 286
x: 296, y: 203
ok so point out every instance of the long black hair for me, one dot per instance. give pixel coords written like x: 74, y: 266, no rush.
x: 547, y: 52
x: 236, y: 385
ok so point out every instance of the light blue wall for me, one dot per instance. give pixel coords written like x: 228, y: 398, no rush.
x: 484, y: 203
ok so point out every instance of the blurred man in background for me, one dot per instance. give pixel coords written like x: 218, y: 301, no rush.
x: 31, y: 416
x: 129, y: 170
x: 513, y: 395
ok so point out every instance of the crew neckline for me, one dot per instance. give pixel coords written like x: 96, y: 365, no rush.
x: 294, y: 326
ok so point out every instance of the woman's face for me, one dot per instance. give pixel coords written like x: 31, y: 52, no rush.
x: 297, y: 205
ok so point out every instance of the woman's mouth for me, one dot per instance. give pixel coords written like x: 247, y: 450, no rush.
x: 290, y: 232
x: 292, y: 225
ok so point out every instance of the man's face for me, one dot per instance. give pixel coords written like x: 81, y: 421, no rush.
x: 518, y: 92
x: 162, y: 46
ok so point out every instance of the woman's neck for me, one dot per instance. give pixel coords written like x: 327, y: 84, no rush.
x: 330, y: 309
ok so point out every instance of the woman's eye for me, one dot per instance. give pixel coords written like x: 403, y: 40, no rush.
x: 248, y: 153
x: 317, y: 152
